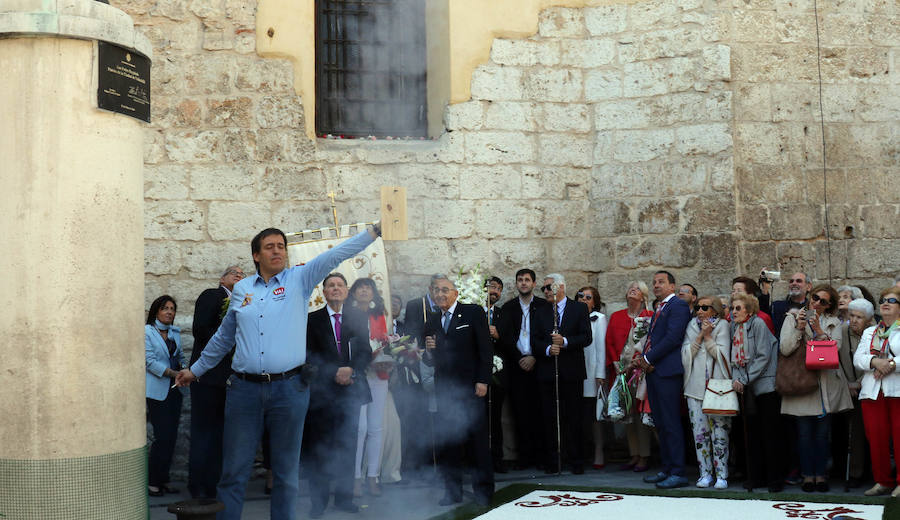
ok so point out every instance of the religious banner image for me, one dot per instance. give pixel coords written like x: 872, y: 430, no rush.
x: 370, y: 263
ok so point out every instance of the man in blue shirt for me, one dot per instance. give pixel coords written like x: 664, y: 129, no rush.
x: 266, y: 319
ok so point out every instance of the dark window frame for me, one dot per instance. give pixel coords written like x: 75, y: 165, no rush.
x: 371, y: 68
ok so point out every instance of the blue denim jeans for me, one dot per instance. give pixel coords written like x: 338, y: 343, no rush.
x: 280, y: 406
x: 812, y: 444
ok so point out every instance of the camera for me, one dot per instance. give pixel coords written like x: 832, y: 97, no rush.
x: 770, y: 276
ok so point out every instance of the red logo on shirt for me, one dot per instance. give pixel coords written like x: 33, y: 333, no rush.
x: 278, y: 291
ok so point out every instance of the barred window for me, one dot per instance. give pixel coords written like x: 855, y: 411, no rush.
x: 370, y: 68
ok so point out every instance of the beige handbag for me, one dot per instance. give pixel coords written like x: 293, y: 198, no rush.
x: 720, y: 397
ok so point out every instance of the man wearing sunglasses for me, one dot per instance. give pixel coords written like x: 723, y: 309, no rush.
x: 563, y: 330
x: 799, y: 286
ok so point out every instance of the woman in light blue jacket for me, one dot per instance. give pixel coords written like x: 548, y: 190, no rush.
x: 162, y: 351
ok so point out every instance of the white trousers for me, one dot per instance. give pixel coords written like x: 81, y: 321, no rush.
x: 370, y: 439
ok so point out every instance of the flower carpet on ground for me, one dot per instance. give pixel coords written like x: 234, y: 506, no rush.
x: 578, y: 505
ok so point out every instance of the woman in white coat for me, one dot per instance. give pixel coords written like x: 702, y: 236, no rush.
x: 879, y: 395
x: 706, y: 354
x: 162, y: 353
x: 595, y: 365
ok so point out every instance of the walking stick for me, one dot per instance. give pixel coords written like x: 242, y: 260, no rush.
x: 489, y: 417
x: 433, y: 453
x: 555, y: 287
x: 749, y: 482
x: 430, y: 415
x: 849, y: 450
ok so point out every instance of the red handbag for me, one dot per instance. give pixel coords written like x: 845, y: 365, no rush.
x: 821, y: 355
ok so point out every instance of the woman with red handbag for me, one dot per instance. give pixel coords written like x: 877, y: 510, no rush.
x: 812, y: 410
x: 879, y: 395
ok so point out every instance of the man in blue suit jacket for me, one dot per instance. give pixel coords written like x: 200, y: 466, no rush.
x: 662, y: 363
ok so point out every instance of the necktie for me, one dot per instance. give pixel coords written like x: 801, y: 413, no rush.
x: 337, y: 330
x: 653, y: 324
x: 446, y: 321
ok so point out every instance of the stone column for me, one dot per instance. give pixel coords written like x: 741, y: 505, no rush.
x: 72, y: 426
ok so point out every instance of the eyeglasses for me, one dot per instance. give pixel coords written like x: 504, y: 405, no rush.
x: 547, y: 288
x: 817, y: 298
x: 737, y: 308
x: 443, y: 290
x: 703, y: 307
x: 888, y: 300
x: 685, y: 291
x: 797, y: 280
x: 584, y: 296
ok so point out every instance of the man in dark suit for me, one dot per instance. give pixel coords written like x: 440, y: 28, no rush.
x: 563, y: 330
x: 497, y: 388
x: 460, y: 351
x: 662, y: 364
x: 516, y: 337
x: 410, y: 398
x: 338, y: 347
x: 208, y: 392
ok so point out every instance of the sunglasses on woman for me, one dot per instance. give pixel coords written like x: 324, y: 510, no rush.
x: 888, y: 300
x: 817, y: 298
x: 583, y: 296
x: 703, y: 307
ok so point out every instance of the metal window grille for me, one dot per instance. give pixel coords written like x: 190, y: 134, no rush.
x: 370, y: 68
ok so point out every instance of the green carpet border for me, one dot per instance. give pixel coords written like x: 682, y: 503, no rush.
x: 515, y: 491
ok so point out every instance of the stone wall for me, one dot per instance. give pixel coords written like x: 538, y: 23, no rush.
x: 778, y: 135
x: 617, y: 140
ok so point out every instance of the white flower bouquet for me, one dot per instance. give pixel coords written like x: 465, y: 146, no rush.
x: 470, y: 285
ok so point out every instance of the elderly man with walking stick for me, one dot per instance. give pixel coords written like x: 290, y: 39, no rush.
x: 563, y: 329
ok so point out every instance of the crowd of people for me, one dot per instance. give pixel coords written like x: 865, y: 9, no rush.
x: 365, y: 392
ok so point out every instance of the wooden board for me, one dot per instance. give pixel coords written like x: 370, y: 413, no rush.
x: 393, y: 213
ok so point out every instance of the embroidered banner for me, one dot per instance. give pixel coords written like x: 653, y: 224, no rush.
x: 369, y: 263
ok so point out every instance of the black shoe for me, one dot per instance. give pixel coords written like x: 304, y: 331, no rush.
x: 776, y: 488
x: 449, y: 501
x: 158, y: 493
x: 853, y: 483
x: 500, y: 467
x: 808, y: 487
x: 577, y: 469
x: 169, y: 490
x: 822, y: 487
x: 552, y: 470
x: 347, y: 507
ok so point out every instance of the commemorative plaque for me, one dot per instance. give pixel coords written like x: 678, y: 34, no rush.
x: 123, y: 84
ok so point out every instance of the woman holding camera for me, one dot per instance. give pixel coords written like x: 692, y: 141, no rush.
x: 813, y: 410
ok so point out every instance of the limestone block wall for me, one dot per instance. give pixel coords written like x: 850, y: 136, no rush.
x: 618, y: 139
x: 778, y: 136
